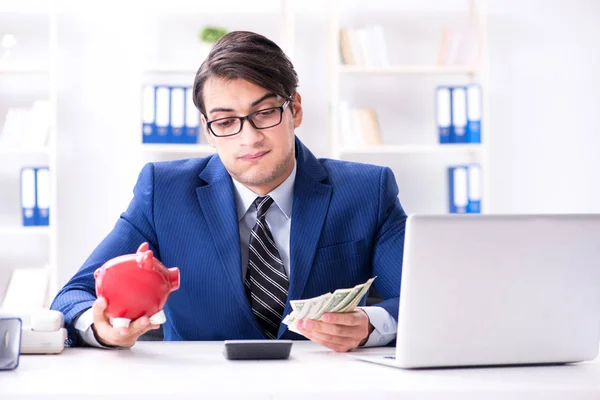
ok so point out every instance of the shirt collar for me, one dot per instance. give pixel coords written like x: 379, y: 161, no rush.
x: 282, y: 195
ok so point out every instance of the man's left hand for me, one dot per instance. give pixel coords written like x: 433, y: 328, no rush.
x: 340, y: 332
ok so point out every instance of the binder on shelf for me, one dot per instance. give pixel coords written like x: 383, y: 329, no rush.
x: 192, y: 118
x: 177, y: 112
x: 474, y: 189
x: 473, y: 91
x: 458, y: 189
x: 28, y: 197
x: 149, y: 134
x: 163, y: 114
x: 443, y: 113
x: 464, y: 189
x: 458, y: 130
x: 43, y: 195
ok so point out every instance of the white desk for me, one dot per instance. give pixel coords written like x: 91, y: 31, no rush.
x: 176, y: 370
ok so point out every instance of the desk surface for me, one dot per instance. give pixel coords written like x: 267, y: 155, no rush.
x: 190, y: 369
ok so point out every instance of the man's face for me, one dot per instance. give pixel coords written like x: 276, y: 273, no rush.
x: 261, y: 159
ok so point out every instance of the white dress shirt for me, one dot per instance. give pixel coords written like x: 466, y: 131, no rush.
x: 279, y: 220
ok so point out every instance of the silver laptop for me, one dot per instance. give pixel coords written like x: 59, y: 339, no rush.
x: 498, y: 290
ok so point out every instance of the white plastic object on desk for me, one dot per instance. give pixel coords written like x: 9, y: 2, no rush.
x: 46, y: 334
x: 47, y: 321
x: 35, y: 342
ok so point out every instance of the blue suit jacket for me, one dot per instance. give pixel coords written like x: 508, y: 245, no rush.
x: 347, y: 225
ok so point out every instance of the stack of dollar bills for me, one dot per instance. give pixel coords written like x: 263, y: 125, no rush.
x: 342, y: 300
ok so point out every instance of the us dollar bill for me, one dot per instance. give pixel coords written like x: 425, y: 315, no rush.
x: 341, y: 300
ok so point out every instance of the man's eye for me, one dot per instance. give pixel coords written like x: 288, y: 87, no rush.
x: 224, y: 123
x: 266, y: 113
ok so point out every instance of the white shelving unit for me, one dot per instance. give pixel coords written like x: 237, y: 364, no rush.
x: 408, y: 159
x: 190, y: 149
x: 413, y: 149
x: 30, y: 75
x: 25, y: 231
x: 410, y: 69
x: 23, y: 69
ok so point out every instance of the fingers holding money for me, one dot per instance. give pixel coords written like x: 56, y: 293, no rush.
x: 337, y: 331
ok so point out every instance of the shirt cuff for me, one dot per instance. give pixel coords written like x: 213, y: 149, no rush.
x: 83, y: 325
x: 385, y: 326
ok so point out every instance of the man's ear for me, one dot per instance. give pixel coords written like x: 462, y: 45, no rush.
x: 209, y: 137
x: 297, y: 109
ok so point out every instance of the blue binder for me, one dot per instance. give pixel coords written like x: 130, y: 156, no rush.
x: 177, y: 114
x: 28, y: 196
x: 457, y: 189
x: 149, y: 134
x: 163, y: 114
x: 458, y: 130
x: 42, y: 192
x: 192, y: 118
x: 473, y: 113
x: 443, y: 111
x: 474, y: 189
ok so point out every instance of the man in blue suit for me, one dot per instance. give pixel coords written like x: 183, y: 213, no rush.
x: 258, y: 224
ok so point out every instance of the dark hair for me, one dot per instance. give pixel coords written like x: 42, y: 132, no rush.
x: 248, y: 56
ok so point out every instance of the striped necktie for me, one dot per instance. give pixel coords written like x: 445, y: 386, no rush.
x: 266, y: 282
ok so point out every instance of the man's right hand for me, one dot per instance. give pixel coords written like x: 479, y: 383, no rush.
x: 121, y: 337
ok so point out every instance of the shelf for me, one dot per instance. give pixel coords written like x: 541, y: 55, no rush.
x: 410, y: 69
x: 24, y: 151
x: 413, y: 149
x: 23, y: 69
x: 172, y: 69
x: 24, y: 230
x: 178, y: 148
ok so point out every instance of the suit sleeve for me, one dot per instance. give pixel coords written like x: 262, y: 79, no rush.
x: 135, y: 226
x: 389, y: 244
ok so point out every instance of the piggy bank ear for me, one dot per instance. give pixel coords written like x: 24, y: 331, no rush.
x: 143, y: 248
x: 146, y: 259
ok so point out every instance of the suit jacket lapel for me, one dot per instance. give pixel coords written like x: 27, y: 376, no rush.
x: 311, y: 203
x: 218, y: 206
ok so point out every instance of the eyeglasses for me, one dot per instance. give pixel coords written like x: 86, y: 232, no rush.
x: 261, y: 119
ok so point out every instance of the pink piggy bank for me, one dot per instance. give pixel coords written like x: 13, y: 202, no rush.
x: 135, y: 285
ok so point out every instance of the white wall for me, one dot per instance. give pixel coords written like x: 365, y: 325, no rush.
x: 545, y: 124
x: 545, y: 103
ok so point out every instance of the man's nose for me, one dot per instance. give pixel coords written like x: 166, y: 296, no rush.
x: 249, y: 135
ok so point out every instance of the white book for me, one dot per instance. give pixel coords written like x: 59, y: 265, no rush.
x: 14, y: 127
x: 380, y: 46
x: 474, y: 180
x: 459, y: 113
x: 37, y: 126
x: 348, y: 127
x: 192, y: 115
x: 365, y: 45
x: 147, y: 109
x: 177, y: 111
x: 43, y: 194
x: 460, y: 197
x: 162, y: 110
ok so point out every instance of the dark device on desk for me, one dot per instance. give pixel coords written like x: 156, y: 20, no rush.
x: 10, y: 342
x: 257, y: 349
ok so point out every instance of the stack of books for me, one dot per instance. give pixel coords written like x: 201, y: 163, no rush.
x: 358, y: 126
